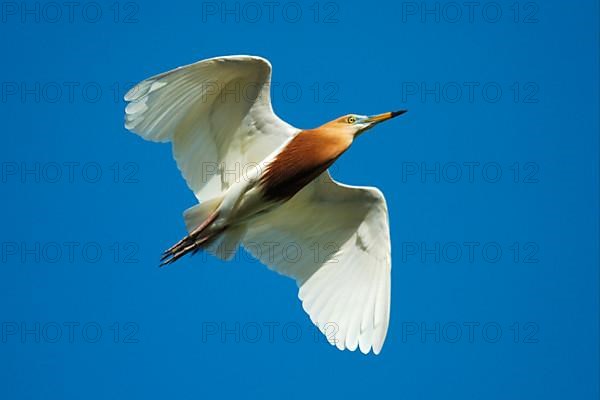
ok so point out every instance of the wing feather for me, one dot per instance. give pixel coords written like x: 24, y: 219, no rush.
x: 218, y: 114
x: 345, y: 264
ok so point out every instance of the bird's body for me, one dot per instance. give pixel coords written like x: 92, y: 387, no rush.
x: 264, y: 184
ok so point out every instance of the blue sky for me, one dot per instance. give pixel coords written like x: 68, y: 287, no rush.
x: 491, y: 181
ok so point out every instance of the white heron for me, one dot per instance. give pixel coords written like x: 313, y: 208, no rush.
x: 217, y: 113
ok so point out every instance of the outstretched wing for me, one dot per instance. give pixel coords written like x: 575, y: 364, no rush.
x: 334, y: 240
x: 218, y: 114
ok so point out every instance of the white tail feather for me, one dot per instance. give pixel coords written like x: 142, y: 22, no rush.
x: 196, y: 215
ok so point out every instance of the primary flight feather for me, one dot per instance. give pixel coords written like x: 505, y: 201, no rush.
x: 264, y: 184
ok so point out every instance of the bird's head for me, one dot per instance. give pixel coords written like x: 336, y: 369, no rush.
x: 353, y: 124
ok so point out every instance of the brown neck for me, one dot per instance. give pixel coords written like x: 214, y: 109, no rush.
x: 304, y: 158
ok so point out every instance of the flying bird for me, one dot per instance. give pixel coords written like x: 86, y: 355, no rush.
x: 264, y: 184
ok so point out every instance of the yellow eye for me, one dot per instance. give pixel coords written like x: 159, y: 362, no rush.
x: 351, y: 120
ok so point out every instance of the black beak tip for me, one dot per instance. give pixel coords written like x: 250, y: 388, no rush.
x: 399, y: 112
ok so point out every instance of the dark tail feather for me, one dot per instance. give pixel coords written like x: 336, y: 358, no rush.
x: 196, y: 240
x: 187, y: 245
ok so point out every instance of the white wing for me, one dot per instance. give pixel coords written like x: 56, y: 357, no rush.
x: 334, y: 240
x: 217, y: 113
